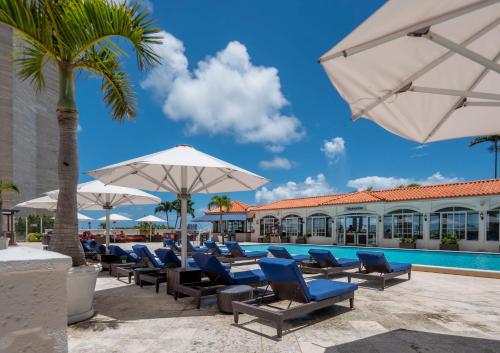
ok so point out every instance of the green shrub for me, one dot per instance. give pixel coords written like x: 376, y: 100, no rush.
x: 449, y: 239
x: 407, y: 240
x: 32, y: 237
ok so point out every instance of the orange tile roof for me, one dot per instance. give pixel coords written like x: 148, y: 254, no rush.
x: 236, y: 207
x: 465, y: 189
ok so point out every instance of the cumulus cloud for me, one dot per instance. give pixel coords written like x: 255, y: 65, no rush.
x: 334, y: 148
x: 377, y: 182
x: 310, y: 187
x: 225, y: 94
x: 276, y: 163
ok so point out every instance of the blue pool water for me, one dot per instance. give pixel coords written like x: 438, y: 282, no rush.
x: 476, y: 261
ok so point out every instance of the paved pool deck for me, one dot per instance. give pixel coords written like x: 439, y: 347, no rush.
x: 430, y: 313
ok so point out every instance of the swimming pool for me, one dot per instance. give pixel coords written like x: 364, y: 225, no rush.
x: 468, y: 260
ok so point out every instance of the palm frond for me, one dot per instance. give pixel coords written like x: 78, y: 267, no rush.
x: 8, y: 185
x: 30, y: 59
x: 97, y: 22
x: 29, y: 18
x: 116, y: 87
x: 482, y: 139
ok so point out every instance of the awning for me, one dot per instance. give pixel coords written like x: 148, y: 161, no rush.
x: 225, y: 217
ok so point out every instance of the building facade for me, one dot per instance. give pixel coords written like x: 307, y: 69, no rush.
x: 469, y: 211
x: 28, y: 128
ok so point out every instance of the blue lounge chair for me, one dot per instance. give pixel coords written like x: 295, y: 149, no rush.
x: 281, y: 252
x: 171, y: 260
x: 88, y: 250
x: 195, y: 249
x: 218, y: 274
x: 325, y: 263
x: 375, y: 262
x: 215, y: 249
x: 171, y: 244
x: 287, y: 283
x: 119, y: 252
x: 238, y: 253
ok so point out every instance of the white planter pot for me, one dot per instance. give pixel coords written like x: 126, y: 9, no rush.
x: 4, y: 243
x: 80, y: 286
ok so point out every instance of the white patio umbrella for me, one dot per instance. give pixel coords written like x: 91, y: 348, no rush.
x: 94, y: 195
x: 182, y: 170
x: 82, y: 217
x: 113, y: 217
x: 425, y: 70
x: 151, y: 219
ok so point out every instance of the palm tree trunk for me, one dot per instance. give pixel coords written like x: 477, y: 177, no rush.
x: 220, y: 224
x: 65, y: 239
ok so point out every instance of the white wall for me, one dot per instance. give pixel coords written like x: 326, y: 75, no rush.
x: 33, y: 301
x: 479, y: 204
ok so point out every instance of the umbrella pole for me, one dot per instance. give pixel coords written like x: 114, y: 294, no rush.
x: 108, y: 210
x: 183, y: 197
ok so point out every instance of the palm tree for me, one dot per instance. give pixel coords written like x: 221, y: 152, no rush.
x: 78, y: 36
x: 5, y: 185
x: 223, y: 203
x: 165, y: 207
x: 176, y: 205
x: 493, y: 148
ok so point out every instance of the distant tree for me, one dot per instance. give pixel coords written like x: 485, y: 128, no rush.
x: 165, y: 207
x: 5, y: 185
x: 413, y: 185
x: 494, y: 148
x: 369, y: 188
x: 223, y: 203
x: 176, y: 206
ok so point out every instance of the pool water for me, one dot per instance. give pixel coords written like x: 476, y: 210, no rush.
x: 476, y: 261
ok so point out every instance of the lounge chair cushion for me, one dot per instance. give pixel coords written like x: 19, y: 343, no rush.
x: 398, y: 266
x: 192, y: 248
x: 249, y: 277
x: 170, y: 243
x: 321, y: 289
x: 143, y: 252
x: 282, y: 253
x: 170, y: 259
x: 118, y: 251
x: 237, y: 251
x: 211, y: 245
x: 347, y: 262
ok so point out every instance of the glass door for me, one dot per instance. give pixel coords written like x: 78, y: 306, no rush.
x: 340, y: 230
x: 372, y: 230
x: 350, y: 231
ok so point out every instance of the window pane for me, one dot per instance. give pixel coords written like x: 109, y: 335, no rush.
x: 388, y: 227
x: 434, y: 226
x: 492, y: 233
x: 417, y: 226
x: 472, y: 226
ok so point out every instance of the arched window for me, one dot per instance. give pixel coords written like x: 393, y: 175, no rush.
x: 291, y: 226
x: 493, y: 229
x: 269, y: 225
x: 461, y: 222
x: 403, y: 223
x: 319, y: 225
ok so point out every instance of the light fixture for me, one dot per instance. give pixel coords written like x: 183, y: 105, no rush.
x: 379, y: 219
x: 481, y: 215
x: 425, y: 217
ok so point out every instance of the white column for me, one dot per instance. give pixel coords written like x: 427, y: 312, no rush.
x: 184, y: 197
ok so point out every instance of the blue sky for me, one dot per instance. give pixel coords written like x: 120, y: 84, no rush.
x: 240, y: 81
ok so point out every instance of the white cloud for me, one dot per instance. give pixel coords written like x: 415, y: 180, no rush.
x: 225, y: 94
x: 334, y: 148
x: 276, y: 163
x: 275, y: 148
x: 79, y: 128
x: 419, y: 147
x: 310, y: 187
x: 377, y: 182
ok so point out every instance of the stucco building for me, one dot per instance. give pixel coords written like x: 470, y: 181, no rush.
x: 468, y: 210
x: 28, y: 128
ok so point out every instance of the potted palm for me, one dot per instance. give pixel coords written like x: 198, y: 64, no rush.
x: 78, y: 36
x: 407, y: 243
x: 5, y: 185
x: 449, y: 242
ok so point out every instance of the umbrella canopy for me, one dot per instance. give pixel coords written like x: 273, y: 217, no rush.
x: 82, y: 217
x: 184, y: 171
x: 151, y: 219
x: 115, y: 217
x: 42, y: 203
x: 94, y: 195
x: 425, y: 70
